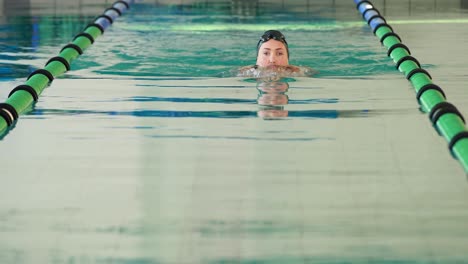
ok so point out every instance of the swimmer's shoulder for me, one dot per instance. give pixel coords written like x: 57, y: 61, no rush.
x: 306, y: 71
x: 248, y: 71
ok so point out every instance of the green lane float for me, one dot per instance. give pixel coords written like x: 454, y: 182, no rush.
x: 22, y: 97
x: 445, y: 117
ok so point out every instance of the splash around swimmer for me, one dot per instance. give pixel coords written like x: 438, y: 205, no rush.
x: 273, y: 60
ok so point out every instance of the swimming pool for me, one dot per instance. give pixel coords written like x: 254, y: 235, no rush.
x: 150, y: 151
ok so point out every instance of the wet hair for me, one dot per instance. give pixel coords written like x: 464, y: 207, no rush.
x: 272, y: 34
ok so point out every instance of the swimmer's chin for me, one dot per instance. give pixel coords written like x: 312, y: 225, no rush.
x: 272, y: 66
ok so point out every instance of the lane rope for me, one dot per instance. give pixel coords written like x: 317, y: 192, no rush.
x: 445, y: 117
x: 23, y: 96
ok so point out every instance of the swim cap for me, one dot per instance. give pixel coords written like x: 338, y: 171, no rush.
x: 272, y: 34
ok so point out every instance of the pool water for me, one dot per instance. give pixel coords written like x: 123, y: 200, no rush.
x: 151, y: 150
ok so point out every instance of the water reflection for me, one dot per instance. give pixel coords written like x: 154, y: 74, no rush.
x: 272, y: 98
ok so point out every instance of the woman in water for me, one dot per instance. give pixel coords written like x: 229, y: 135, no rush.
x: 273, y: 59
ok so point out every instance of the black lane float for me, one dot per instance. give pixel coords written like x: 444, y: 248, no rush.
x: 23, y: 96
x: 445, y: 117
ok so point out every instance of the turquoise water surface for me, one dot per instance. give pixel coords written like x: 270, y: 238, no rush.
x: 151, y: 150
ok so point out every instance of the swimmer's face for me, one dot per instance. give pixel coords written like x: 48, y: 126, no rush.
x: 272, y: 53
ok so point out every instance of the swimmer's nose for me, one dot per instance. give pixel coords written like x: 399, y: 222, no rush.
x: 272, y: 59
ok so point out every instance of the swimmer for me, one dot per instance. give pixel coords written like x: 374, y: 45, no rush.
x: 273, y: 59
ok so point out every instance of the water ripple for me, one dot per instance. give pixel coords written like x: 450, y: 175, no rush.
x: 206, y: 114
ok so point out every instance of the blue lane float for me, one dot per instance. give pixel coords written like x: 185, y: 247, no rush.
x: 444, y: 116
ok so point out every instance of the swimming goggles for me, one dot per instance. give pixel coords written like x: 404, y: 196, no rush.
x: 272, y: 34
